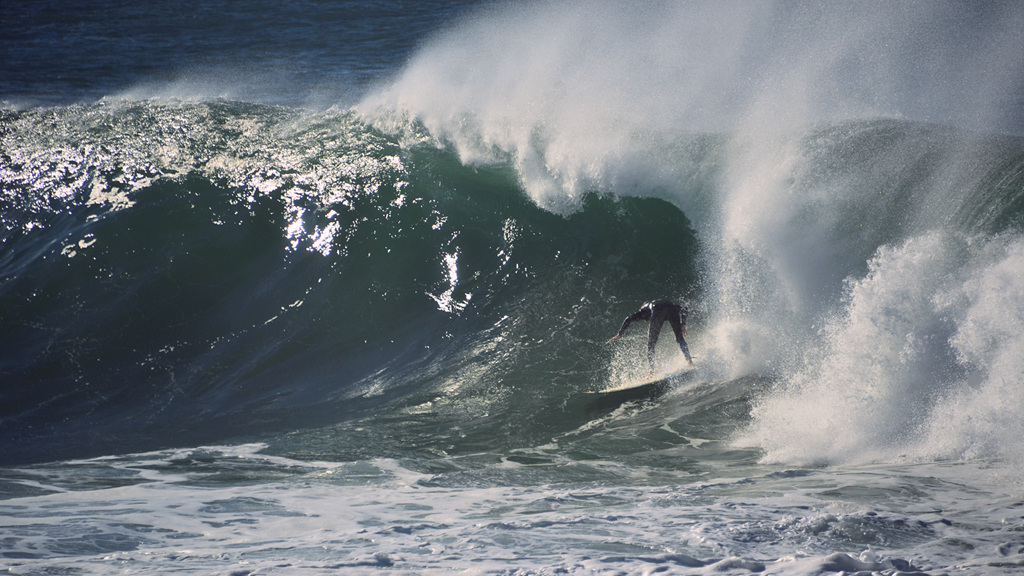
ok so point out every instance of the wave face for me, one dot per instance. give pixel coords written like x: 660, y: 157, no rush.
x: 445, y: 259
x: 191, y: 271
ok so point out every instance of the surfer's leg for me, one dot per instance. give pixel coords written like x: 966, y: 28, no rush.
x: 677, y: 328
x: 652, y: 339
x: 686, y: 351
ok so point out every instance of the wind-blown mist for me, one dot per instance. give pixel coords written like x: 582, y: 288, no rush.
x: 577, y: 94
x: 841, y: 164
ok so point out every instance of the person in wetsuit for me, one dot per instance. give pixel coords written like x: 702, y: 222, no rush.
x: 657, y: 312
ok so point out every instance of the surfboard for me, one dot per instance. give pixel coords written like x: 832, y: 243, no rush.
x: 645, y: 389
x: 645, y: 382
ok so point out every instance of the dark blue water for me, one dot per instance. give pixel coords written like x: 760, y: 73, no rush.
x: 331, y: 282
x: 279, y: 52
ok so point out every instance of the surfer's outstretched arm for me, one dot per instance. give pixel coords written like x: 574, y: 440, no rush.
x: 638, y: 315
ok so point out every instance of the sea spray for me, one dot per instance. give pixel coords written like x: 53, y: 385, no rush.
x: 979, y: 415
x: 924, y: 363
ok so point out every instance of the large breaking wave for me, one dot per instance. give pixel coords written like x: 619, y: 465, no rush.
x: 448, y: 256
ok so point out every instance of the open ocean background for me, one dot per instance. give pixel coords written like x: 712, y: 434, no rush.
x: 322, y: 287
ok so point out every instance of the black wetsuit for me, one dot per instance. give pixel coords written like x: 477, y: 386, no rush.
x: 657, y: 312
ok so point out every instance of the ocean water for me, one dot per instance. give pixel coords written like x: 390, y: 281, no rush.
x: 324, y: 287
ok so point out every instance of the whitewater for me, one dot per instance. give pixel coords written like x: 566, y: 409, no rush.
x: 325, y: 288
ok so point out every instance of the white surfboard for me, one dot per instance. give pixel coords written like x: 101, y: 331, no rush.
x: 650, y: 381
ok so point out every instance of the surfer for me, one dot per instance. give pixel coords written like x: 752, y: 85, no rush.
x: 656, y: 312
